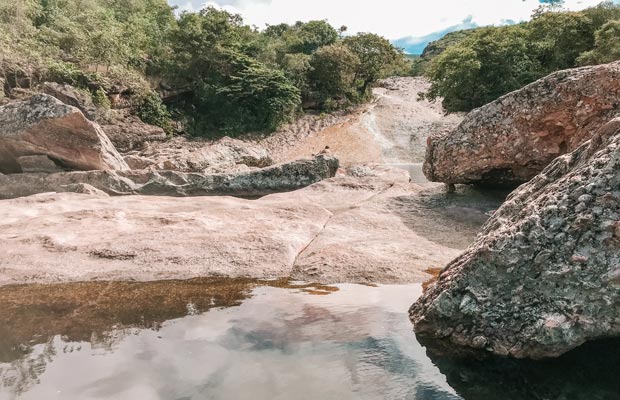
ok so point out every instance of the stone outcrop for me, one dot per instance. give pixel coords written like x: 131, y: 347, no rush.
x: 71, y: 96
x: 513, y: 138
x: 543, y: 275
x: 278, y: 178
x: 44, y: 126
x: 181, y: 154
x: 363, y: 225
x: 130, y: 133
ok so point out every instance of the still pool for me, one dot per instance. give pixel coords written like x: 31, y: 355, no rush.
x: 242, y: 339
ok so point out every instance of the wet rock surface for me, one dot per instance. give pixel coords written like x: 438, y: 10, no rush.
x: 543, y: 275
x: 259, y: 182
x: 44, y: 126
x: 510, y: 140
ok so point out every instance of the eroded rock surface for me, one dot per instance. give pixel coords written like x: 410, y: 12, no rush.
x: 355, y: 227
x: 543, y: 276
x: 259, y: 182
x: 128, y: 132
x: 44, y: 126
x: 181, y: 154
x: 512, y: 139
x: 71, y: 96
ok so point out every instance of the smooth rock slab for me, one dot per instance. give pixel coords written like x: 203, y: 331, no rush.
x: 543, y: 275
x: 512, y: 139
x: 60, y: 237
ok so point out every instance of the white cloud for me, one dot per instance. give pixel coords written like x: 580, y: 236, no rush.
x: 390, y: 18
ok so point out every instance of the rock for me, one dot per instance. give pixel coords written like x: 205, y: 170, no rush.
x: 512, y: 139
x: 278, y: 178
x: 181, y: 154
x: 35, y: 164
x: 130, y: 133
x: 543, y: 275
x: 44, y: 126
x: 71, y: 96
x: 344, y: 229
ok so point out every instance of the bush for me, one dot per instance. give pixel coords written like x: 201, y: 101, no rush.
x: 63, y: 72
x: 152, y: 111
x: 100, y: 98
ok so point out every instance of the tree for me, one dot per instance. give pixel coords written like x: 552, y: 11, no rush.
x: 308, y: 37
x: 252, y: 97
x: 486, y: 65
x: 607, y: 45
x: 559, y: 37
x: 376, y: 56
x: 332, y: 74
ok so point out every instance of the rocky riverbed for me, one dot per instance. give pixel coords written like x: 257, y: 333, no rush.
x: 368, y: 223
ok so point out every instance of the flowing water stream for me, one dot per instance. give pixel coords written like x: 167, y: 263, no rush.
x: 242, y: 339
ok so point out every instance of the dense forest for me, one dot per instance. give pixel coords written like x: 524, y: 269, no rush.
x: 473, y: 67
x: 208, y: 69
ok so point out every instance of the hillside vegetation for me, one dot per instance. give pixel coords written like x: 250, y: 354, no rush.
x: 471, y: 68
x: 214, y: 73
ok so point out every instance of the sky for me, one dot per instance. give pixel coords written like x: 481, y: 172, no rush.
x: 410, y: 24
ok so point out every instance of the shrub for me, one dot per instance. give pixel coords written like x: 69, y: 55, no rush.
x: 152, y: 111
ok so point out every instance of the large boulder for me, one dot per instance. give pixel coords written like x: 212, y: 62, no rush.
x: 71, y: 96
x: 260, y: 182
x: 543, y: 275
x: 44, y: 126
x: 512, y: 139
x: 130, y: 133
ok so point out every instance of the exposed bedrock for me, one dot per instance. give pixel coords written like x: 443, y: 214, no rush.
x: 44, y: 134
x: 543, y: 275
x: 512, y: 139
x: 259, y: 182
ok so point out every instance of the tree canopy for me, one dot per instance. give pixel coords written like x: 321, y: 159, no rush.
x: 482, y: 65
x: 236, y: 77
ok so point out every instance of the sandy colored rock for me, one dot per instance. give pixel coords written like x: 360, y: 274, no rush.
x: 71, y: 96
x: 392, y: 129
x: 44, y: 126
x: 129, y: 132
x: 182, y: 154
x: 320, y: 233
x: 543, y: 275
x: 512, y: 139
x: 259, y: 182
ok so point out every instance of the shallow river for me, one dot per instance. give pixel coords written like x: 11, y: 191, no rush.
x: 241, y: 339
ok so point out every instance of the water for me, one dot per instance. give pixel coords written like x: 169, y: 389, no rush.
x: 242, y: 339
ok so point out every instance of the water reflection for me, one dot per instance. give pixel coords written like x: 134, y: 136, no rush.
x: 587, y: 373
x: 243, y: 339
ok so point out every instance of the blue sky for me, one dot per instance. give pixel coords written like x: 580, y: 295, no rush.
x: 410, y: 24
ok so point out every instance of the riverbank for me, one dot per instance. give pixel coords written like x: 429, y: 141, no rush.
x: 368, y: 224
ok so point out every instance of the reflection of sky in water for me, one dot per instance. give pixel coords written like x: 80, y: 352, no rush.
x: 356, y: 343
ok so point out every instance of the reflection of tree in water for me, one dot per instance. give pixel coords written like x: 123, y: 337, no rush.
x: 590, y: 372
x: 23, y: 373
x: 38, y: 321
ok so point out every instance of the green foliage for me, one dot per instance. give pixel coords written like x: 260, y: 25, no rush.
x: 332, y: 74
x: 489, y: 62
x: 152, y: 111
x: 309, y: 37
x: 606, y: 47
x: 101, y: 99
x: 63, y: 72
x: 232, y: 77
x: 558, y: 38
x: 377, y: 57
